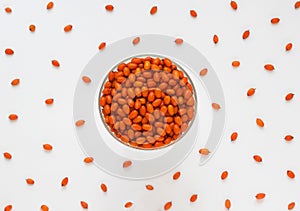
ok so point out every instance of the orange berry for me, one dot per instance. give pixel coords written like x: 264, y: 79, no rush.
x: 291, y: 205
x: 203, y: 72
x: 136, y: 40
x: 176, y: 175
x: 234, y: 5
x: 109, y: 7
x: 193, y: 198
x: 269, y: 67
x: 234, y: 136
x: 86, y: 79
x: 246, y: 34
x: 215, y: 39
x: 227, y: 204
x: 9, y: 51
x: 297, y: 5
x: 55, y: 63
x: 32, y: 28
x: 7, y: 155
x: 127, y: 163
x: 47, y: 147
x: 102, y: 46
x: 289, y: 137
x: 30, y: 181
x: 15, y: 82
x: 79, y: 123
x: 68, y: 28
x: 257, y: 158
x: 275, y: 20
x: 289, y: 96
x: 8, y: 207
x: 260, y: 122
x: 153, y: 10
x: 8, y: 10
x: 235, y: 64
x: 204, y: 151
x: 65, y: 182
x: 168, y: 205
x: 224, y: 175
x: 250, y: 92
x: 49, y: 101
x: 84, y: 205
x: 290, y: 174
x: 260, y: 196
x: 149, y: 187
x: 289, y: 46
x: 193, y: 13
x: 215, y: 106
x: 88, y: 160
x: 178, y: 41
x: 50, y: 5
x: 128, y: 204
x: 44, y: 207
x: 13, y: 117
x: 103, y: 187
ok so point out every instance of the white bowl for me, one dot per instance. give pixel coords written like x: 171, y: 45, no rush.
x: 109, y: 154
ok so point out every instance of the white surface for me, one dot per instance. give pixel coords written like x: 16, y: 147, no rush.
x: 39, y: 124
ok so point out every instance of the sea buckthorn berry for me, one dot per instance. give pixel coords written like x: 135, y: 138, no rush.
x: 235, y: 63
x: 50, y: 5
x: 193, y: 13
x: 289, y: 96
x: 176, y: 175
x: 260, y: 196
x: 275, y: 20
x: 32, y: 27
x: 109, y: 7
x: 168, y: 205
x: 8, y: 10
x: 136, y: 40
x: 257, y: 158
x: 102, y: 46
x: 246, y: 34
x: 250, y: 92
x: 68, y: 28
x: 15, y: 82
x: 269, y: 67
x: 215, y: 39
x: 289, y: 46
x: 153, y: 10
x: 47, y: 147
x: 88, y: 159
x: 227, y: 204
x: 65, y: 182
x: 9, y: 51
x: 290, y: 174
x: 44, y: 207
x: 224, y: 175
x: 193, y: 198
x: 103, y: 187
x: 291, y: 205
x: 128, y: 204
x: 84, y: 205
x: 234, y: 5
x: 127, y: 163
x: 260, y: 122
x: 204, y: 151
x: 234, y: 136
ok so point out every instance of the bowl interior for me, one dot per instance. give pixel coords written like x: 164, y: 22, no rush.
x: 127, y: 60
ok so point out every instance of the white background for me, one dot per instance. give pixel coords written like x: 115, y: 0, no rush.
x: 39, y: 124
